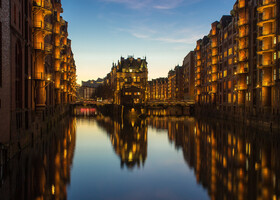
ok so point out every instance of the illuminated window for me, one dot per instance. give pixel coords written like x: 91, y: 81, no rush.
x: 229, y: 97
x: 230, y: 61
x: 274, y: 40
x: 230, y: 51
x: 248, y: 96
x: 225, y: 73
x: 274, y: 56
x: 274, y: 74
x: 225, y: 54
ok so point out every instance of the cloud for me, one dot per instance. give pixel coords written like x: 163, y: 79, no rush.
x: 140, y: 36
x: 165, y: 35
x: 148, y: 4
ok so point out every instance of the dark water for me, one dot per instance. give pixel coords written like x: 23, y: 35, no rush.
x: 157, y: 158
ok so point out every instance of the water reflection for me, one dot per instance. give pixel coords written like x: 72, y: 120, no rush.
x: 43, y: 170
x: 230, y: 161
x: 129, y: 139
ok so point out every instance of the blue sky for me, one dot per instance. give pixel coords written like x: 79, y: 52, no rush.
x: 162, y: 30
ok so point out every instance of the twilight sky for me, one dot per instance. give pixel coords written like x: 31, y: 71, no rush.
x: 162, y: 30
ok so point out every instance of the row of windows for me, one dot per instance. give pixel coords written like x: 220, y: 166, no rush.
x: 129, y: 79
x: 131, y: 93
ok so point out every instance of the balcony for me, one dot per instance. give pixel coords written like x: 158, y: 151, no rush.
x: 39, y: 76
x: 57, y: 69
x: 264, y: 21
x: 43, y: 4
x: 243, y: 45
x: 264, y: 6
x: 241, y: 87
x: 242, y: 22
x: 43, y: 26
x: 267, y: 64
x: 48, y: 27
x: 266, y: 50
x: 243, y: 69
x: 241, y: 4
x: 266, y: 35
x: 38, y: 46
x: 48, y: 48
x: 214, y: 79
x: 267, y: 84
x: 243, y: 34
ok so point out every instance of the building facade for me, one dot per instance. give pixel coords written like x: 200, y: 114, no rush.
x: 157, y: 89
x: 129, y: 78
x: 189, y: 76
x: 237, y: 63
x: 38, y: 72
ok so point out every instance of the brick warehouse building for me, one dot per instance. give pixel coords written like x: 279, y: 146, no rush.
x: 128, y: 79
x: 38, y: 72
x: 237, y: 64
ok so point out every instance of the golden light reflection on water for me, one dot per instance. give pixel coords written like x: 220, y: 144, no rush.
x: 229, y: 161
x: 42, y: 171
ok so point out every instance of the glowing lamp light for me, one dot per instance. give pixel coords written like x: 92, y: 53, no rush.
x: 53, y: 189
x: 48, y: 77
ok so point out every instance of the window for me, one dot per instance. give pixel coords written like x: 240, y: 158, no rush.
x: 229, y: 98
x: 274, y: 56
x: 230, y: 51
x: 225, y: 54
x: 274, y: 74
x: 225, y: 35
x: 225, y: 73
x: 248, y: 96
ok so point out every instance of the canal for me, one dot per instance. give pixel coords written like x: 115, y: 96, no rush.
x: 156, y: 158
